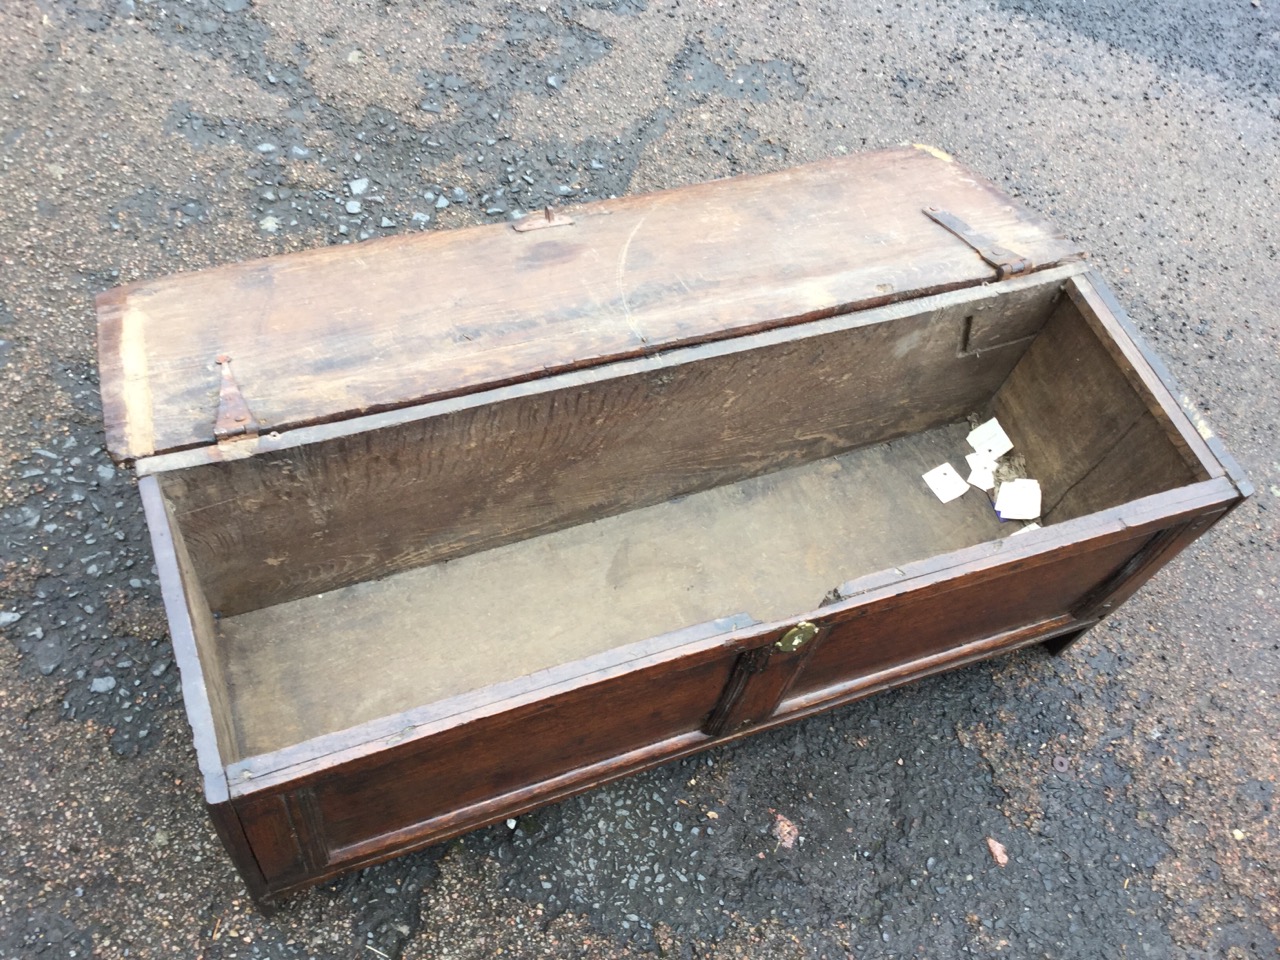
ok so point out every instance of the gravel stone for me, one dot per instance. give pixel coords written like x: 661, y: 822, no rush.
x: 48, y: 656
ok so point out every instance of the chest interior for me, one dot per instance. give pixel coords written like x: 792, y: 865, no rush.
x: 350, y: 571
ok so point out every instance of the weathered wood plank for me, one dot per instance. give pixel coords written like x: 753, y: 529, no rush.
x: 1132, y: 359
x: 192, y: 632
x: 1066, y: 405
x: 330, y: 333
x: 1141, y: 462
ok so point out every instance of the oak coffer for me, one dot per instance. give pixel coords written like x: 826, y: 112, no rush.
x: 456, y: 524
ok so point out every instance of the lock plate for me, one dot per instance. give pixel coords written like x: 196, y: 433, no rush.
x: 797, y: 637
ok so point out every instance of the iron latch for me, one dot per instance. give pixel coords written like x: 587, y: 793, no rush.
x: 1006, y: 262
x: 797, y: 636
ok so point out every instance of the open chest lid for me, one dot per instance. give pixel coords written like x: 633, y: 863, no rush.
x: 333, y: 333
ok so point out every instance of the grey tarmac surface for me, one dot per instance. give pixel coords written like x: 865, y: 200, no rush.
x: 1132, y: 781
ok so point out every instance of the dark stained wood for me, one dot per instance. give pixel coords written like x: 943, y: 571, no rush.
x: 308, y: 828
x: 843, y: 691
x: 487, y: 470
x: 1158, y: 550
x: 878, y: 635
x: 1155, y: 553
x: 761, y: 678
x: 301, y: 761
x: 796, y: 708
x: 503, y: 753
x: 274, y: 838
x: 334, y: 332
x: 226, y: 823
x: 749, y: 665
x: 464, y: 819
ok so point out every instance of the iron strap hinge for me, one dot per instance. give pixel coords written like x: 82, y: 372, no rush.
x: 234, y: 421
x: 1006, y: 262
x: 550, y: 218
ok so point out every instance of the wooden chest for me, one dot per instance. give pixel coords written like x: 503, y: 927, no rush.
x: 453, y: 525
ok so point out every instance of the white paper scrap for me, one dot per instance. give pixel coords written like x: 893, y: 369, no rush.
x: 990, y: 438
x: 945, y: 482
x: 1018, y: 500
x: 1029, y: 526
x: 983, y: 477
x: 980, y: 461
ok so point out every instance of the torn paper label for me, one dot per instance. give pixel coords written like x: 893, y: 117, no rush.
x: 982, y: 470
x: 983, y: 477
x: 945, y: 482
x: 1018, y: 500
x: 990, y: 438
x: 980, y: 461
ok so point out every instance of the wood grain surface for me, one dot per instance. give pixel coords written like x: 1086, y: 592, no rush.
x: 771, y: 546
x: 492, y: 469
x: 1090, y: 430
x: 330, y: 333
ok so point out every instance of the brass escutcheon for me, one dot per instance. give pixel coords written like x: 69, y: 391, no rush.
x: 797, y: 637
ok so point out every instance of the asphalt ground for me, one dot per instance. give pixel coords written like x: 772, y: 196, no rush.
x: 140, y: 138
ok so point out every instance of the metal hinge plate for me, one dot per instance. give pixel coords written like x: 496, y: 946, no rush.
x: 1006, y: 262
x: 234, y: 421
